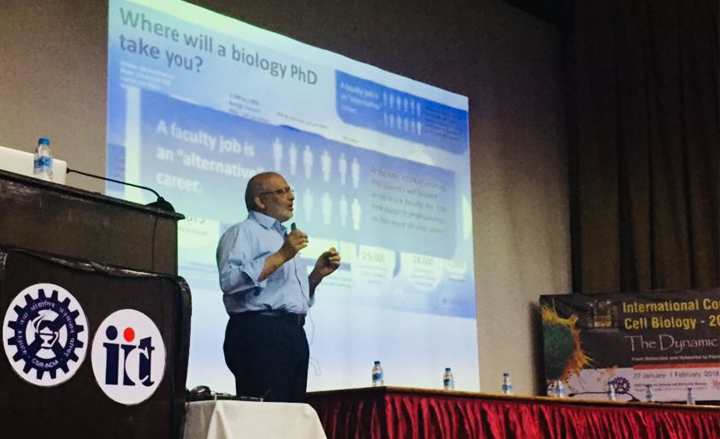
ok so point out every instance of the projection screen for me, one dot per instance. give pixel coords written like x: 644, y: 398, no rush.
x: 199, y: 102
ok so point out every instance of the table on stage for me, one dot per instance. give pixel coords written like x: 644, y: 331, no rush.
x: 400, y: 413
x: 226, y: 419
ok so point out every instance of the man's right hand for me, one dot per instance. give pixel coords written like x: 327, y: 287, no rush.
x: 294, y: 242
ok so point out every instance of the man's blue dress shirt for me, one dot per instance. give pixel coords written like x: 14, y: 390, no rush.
x: 241, y: 255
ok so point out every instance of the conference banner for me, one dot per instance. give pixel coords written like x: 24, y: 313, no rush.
x: 668, y: 341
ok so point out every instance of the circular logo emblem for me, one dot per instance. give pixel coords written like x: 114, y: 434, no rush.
x: 45, y: 334
x: 128, y: 357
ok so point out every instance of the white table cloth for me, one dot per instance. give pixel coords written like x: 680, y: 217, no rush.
x: 243, y: 419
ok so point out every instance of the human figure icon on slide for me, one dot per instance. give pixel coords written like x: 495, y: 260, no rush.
x: 355, y: 210
x: 326, y: 208
x: 308, y: 161
x: 355, y: 170
x: 277, y: 153
x: 326, y: 164
x: 343, y: 211
x: 292, y: 158
x: 308, y: 204
x: 342, y: 167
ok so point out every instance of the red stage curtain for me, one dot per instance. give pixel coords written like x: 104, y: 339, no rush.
x: 395, y: 413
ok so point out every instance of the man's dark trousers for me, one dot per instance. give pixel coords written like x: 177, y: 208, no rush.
x: 268, y: 354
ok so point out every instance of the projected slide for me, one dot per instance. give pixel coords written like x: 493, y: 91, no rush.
x: 198, y: 103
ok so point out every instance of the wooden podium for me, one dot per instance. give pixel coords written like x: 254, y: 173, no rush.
x: 92, y: 311
x: 52, y: 218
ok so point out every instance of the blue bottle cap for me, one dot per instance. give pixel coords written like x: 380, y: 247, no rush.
x: 377, y: 362
x: 44, y: 141
x: 447, y: 369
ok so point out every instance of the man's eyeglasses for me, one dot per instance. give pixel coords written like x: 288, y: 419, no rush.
x: 283, y: 191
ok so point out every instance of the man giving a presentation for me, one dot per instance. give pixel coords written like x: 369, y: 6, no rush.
x: 267, y: 293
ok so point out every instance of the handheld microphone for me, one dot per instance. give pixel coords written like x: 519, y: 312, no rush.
x: 293, y: 227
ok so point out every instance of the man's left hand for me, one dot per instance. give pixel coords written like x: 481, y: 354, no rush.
x: 327, y: 263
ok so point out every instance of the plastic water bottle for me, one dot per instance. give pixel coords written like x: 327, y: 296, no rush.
x: 690, y: 397
x: 377, y: 375
x: 611, y: 395
x: 506, y: 384
x: 649, y: 395
x: 448, y: 380
x: 559, y: 388
x: 42, y: 163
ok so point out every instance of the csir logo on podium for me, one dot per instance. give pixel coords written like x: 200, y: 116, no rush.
x: 45, y: 334
x: 128, y: 357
